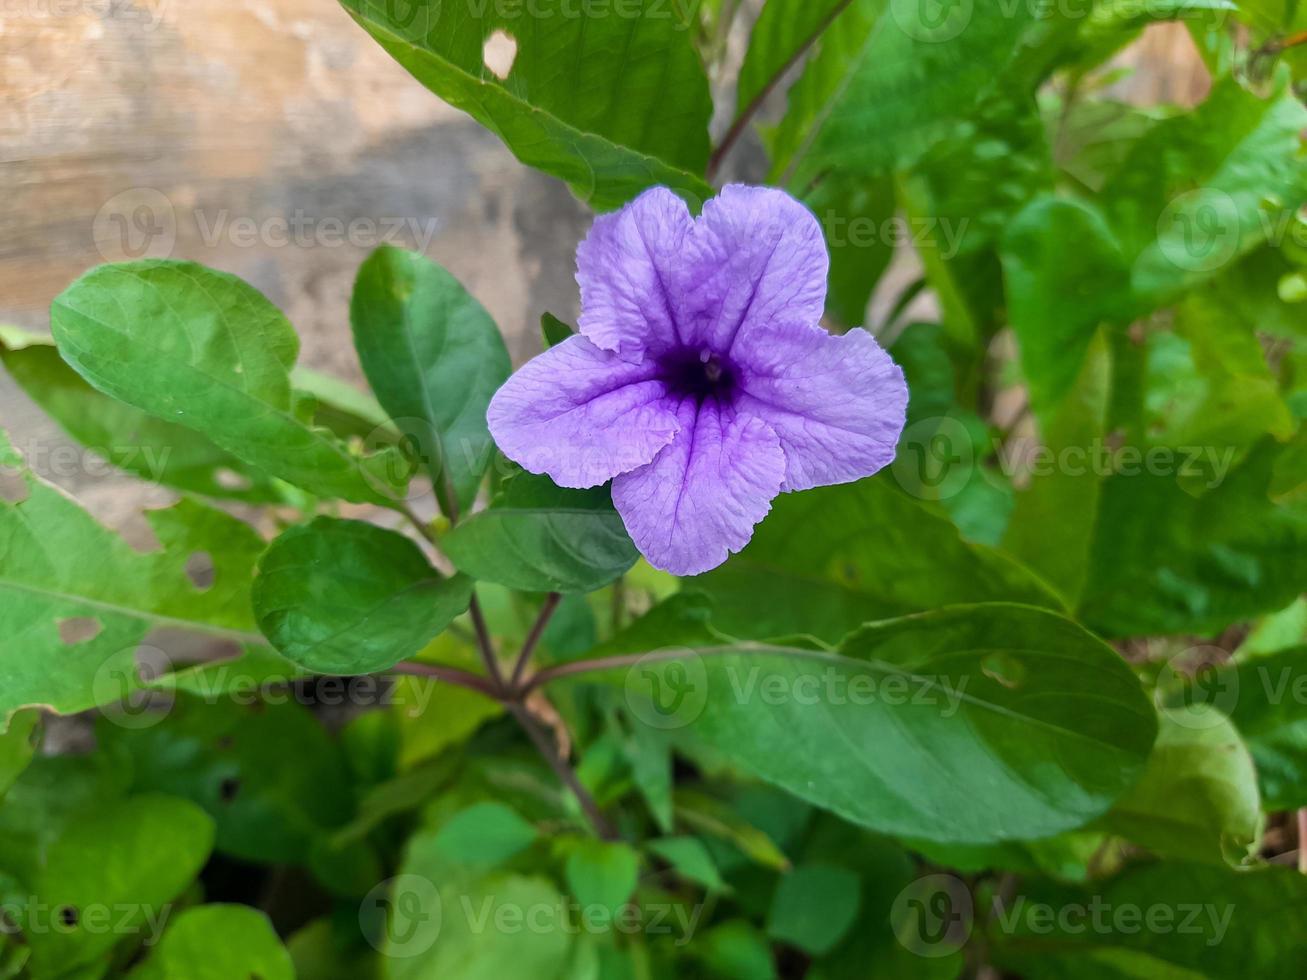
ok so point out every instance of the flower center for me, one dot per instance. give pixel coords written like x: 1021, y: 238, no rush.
x: 700, y: 374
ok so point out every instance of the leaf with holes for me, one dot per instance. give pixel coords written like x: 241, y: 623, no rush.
x: 131, y: 857
x: 218, y: 942
x: 77, y: 602
x: 611, y: 103
x: 971, y: 724
x: 434, y: 357
x: 538, y: 537
x: 205, y: 350
x: 345, y: 597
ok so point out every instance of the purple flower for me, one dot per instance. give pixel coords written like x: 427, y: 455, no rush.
x: 702, y: 383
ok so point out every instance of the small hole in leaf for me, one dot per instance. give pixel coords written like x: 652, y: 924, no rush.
x: 13, y: 488
x: 199, y: 569
x: 68, y: 916
x: 79, y: 629
x: 228, y: 789
x: 499, y: 54
x: 231, y: 480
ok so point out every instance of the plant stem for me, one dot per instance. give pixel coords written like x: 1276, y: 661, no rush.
x: 533, y: 638
x: 564, y: 772
x: 1302, y: 840
x: 451, y: 675
x: 748, y: 112
x: 486, y: 646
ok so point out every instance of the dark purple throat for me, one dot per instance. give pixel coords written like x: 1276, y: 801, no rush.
x: 698, y: 373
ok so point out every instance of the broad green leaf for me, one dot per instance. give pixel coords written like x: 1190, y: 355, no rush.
x: 218, y: 942
x: 538, y: 537
x: 1194, y: 194
x: 737, y: 949
x: 434, y: 357
x: 1157, y: 920
x: 689, y: 859
x: 857, y: 216
x: 17, y: 746
x: 267, y: 806
x: 449, y: 917
x: 1197, y: 799
x: 434, y: 715
x: 813, y: 907
x: 1231, y: 176
x: 889, y: 78
x: 827, y: 560
x: 151, y: 448
x: 1164, y: 561
x: 784, y: 31
x: 205, y: 350
x: 346, y: 597
x: 486, y: 834
x: 602, y: 875
x: 119, y: 864
x: 969, y: 724
x: 1052, y: 529
x: 64, y: 575
x: 344, y: 409
x: 611, y: 103
x: 1267, y: 700
x: 1066, y: 273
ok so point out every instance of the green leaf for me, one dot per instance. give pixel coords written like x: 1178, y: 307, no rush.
x: 17, y: 746
x: 689, y: 859
x: 1268, y: 704
x: 1205, y: 921
x: 346, y: 597
x: 1197, y: 799
x: 435, y: 357
x: 553, y: 330
x: 1164, y: 561
x: 602, y: 876
x: 486, y: 834
x: 1049, y: 530
x: 738, y: 950
x: 813, y: 907
x: 123, y: 862
x: 218, y: 942
x: 148, y: 447
x: 971, y: 724
x: 827, y: 560
x: 64, y: 575
x: 205, y: 350
x: 856, y: 213
x: 612, y: 104
x: 889, y: 78
x: 267, y: 806
x: 537, y: 537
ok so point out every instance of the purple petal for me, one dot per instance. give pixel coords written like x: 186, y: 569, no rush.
x: 626, y: 268
x: 837, y: 403
x: 699, y: 500
x: 756, y: 257
x: 582, y: 415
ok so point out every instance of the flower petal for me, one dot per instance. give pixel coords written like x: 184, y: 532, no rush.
x: 625, y: 268
x: 699, y: 500
x: 756, y: 257
x: 582, y: 415
x: 837, y: 403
